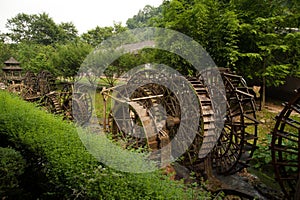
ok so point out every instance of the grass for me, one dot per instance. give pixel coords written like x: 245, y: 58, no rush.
x: 100, y: 106
x: 267, y: 120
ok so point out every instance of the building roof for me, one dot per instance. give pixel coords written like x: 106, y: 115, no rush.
x: 11, y: 60
x: 11, y: 68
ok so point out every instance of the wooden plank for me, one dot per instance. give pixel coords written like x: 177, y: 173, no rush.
x: 148, y: 97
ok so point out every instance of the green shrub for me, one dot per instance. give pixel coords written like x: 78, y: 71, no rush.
x: 12, y: 166
x: 262, y: 156
x: 69, y: 170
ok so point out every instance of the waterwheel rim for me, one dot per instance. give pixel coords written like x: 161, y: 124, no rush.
x: 229, y: 147
x: 237, y: 143
x: 285, y: 146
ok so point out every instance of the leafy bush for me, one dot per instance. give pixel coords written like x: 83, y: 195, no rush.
x: 68, y: 170
x: 12, y: 166
x: 262, y: 156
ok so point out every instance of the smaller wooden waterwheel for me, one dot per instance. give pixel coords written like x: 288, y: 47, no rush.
x: 30, y: 90
x: 45, y: 82
x: 15, y: 88
x: 81, y: 105
x: 65, y: 100
x: 51, y: 103
x: 76, y: 106
x: 285, y: 147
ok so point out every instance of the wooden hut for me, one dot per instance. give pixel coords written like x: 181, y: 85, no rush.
x: 12, y: 72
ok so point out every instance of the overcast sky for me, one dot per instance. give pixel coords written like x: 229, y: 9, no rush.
x: 85, y: 15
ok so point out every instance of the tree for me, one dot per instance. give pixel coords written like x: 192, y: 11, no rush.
x: 6, y: 51
x: 19, y: 27
x: 95, y: 36
x: 68, y: 58
x: 44, y: 30
x: 209, y: 23
x: 124, y: 63
x: 144, y: 17
x: 35, y: 57
x: 221, y: 34
x: 265, y: 54
x: 39, y: 28
x: 68, y: 32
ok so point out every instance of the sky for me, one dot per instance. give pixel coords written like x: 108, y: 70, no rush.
x: 85, y: 14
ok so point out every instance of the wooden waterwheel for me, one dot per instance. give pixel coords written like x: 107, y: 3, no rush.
x: 237, y: 142
x: 45, y: 82
x: 81, y: 105
x: 285, y: 147
x: 162, y: 108
x: 73, y: 105
x: 147, y: 113
x: 30, y: 91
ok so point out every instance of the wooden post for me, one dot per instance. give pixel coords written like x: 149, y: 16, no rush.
x: 104, y: 98
x: 263, y: 103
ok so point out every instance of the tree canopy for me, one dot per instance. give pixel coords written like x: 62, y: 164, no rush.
x: 41, y: 44
x: 258, y: 39
x: 40, y: 29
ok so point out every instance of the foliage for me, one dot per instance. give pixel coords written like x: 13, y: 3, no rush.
x: 207, y: 23
x: 12, y: 166
x: 144, y: 17
x: 123, y: 64
x: 68, y: 57
x: 266, y: 51
x: 67, y: 32
x: 258, y: 39
x: 7, y: 51
x: 39, y: 28
x: 262, y: 156
x: 68, y: 170
x: 35, y: 57
x: 95, y: 36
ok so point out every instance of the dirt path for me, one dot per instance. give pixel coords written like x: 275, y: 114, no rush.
x: 274, y: 108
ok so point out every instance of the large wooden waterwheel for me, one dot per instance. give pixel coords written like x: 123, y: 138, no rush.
x: 285, y: 147
x: 161, y: 113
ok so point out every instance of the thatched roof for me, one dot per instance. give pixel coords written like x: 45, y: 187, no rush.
x: 11, y: 68
x: 11, y: 65
x: 11, y: 60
